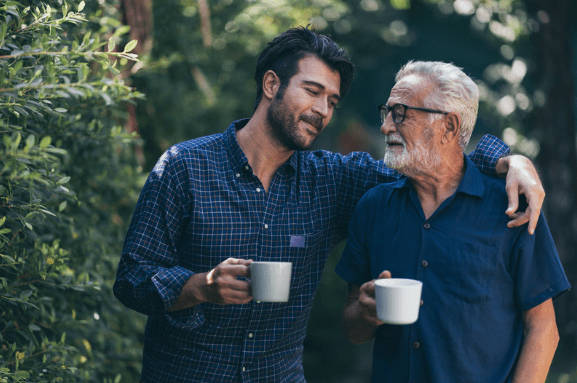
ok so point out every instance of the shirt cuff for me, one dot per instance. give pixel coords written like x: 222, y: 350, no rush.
x: 488, y: 152
x: 169, y: 283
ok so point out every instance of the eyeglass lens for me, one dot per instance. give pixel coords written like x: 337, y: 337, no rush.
x: 398, y: 113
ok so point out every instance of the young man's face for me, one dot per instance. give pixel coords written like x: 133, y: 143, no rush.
x: 299, y: 115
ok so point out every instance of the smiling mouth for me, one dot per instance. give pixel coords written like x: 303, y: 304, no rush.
x: 314, y: 123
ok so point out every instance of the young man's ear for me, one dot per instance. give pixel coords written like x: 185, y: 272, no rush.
x: 452, y: 127
x: 270, y: 84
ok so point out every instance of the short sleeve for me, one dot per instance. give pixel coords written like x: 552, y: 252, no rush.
x: 539, y: 273
x: 354, y: 265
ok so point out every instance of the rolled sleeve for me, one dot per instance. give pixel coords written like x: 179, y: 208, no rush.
x: 168, y: 284
x: 488, y: 152
x: 149, y: 278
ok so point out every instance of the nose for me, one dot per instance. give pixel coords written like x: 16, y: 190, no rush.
x: 388, y: 126
x: 321, y: 107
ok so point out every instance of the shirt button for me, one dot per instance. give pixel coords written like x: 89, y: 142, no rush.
x: 416, y: 345
x: 246, y: 167
x: 258, y: 190
x: 265, y: 226
x: 424, y: 263
x: 250, y: 335
x: 427, y: 225
x: 243, y: 369
x: 237, y: 175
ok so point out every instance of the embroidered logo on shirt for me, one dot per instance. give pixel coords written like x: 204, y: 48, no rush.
x: 297, y: 241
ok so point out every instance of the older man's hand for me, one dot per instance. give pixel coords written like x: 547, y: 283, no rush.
x: 367, y: 302
x: 522, y: 178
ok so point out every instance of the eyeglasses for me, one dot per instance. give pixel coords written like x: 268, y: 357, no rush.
x: 399, y: 111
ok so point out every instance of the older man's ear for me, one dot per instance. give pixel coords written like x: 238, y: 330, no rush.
x: 452, y: 127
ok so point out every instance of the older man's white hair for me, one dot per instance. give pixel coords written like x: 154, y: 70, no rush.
x: 453, y: 91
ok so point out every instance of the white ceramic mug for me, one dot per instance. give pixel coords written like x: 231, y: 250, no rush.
x: 398, y: 300
x: 270, y: 281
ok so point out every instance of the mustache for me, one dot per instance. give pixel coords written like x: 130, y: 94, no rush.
x: 315, y: 121
x: 394, y: 137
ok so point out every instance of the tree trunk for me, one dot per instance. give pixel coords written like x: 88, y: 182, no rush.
x: 554, y: 127
x: 138, y: 14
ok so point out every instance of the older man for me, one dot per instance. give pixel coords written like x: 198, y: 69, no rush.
x: 487, y: 312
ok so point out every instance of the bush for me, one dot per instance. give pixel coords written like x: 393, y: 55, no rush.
x: 68, y: 182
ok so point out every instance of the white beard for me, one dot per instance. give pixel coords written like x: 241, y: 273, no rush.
x: 420, y: 160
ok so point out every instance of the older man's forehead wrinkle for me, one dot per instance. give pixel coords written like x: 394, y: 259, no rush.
x: 408, y: 89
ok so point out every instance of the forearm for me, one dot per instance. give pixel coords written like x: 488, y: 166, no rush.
x: 355, y: 327
x: 536, y: 354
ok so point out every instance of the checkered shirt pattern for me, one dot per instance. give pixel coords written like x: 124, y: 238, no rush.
x: 202, y: 204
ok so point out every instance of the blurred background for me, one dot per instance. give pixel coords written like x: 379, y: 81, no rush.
x: 195, y: 76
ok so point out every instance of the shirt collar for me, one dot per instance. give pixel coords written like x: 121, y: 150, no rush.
x: 472, y: 182
x: 237, y: 157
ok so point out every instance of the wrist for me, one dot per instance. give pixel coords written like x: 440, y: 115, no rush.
x: 502, y: 165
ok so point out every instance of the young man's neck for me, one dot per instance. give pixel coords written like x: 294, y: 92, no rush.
x: 264, y: 154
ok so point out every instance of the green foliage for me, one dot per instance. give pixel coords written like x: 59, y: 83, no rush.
x: 68, y: 181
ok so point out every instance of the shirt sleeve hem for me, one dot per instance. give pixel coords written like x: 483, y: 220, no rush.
x: 168, y: 283
x: 342, y: 272
x: 554, y: 292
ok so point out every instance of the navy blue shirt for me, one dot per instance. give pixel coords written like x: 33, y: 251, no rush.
x: 202, y: 204
x: 478, y: 277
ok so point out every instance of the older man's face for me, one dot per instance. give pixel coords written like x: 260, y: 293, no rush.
x: 411, y: 144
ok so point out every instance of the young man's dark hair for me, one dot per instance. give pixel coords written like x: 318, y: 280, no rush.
x: 284, y: 52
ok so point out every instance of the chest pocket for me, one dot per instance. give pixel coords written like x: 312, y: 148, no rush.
x: 467, y: 270
x: 301, y: 244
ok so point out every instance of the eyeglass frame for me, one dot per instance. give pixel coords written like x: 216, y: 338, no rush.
x: 387, y: 109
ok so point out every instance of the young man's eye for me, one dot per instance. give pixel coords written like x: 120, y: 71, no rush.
x: 312, y: 91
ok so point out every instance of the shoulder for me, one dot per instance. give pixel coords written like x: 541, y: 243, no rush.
x: 380, y: 196
x: 324, y: 159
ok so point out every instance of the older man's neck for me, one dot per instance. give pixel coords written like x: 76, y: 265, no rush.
x: 434, y: 186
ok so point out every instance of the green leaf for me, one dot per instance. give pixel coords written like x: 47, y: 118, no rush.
x: 111, y: 44
x: 46, y: 140
x: 2, y: 220
x: 130, y: 46
x: 61, y: 110
x: 81, y: 6
x: 62, y: 206
x: 63, y: 180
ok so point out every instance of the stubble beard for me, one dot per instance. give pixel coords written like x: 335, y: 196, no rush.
x: 284, y: 126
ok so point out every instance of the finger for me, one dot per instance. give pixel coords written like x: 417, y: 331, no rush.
x: 513, y: 197
x: 240, y: 270
x: 534, y: 213
x: 535, y: 203
x: 385, y: 274
x: 235, y: 297
x: 238, y: 261
x: 522, y: 218
x: 368, y: 288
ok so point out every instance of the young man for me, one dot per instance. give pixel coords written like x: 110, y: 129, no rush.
x: 487, y: 312
x: 213, y: 204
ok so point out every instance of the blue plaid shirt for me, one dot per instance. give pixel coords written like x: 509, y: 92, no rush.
x: 202, y: 204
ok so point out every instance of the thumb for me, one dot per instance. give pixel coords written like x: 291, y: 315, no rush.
x: 385, y: 274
